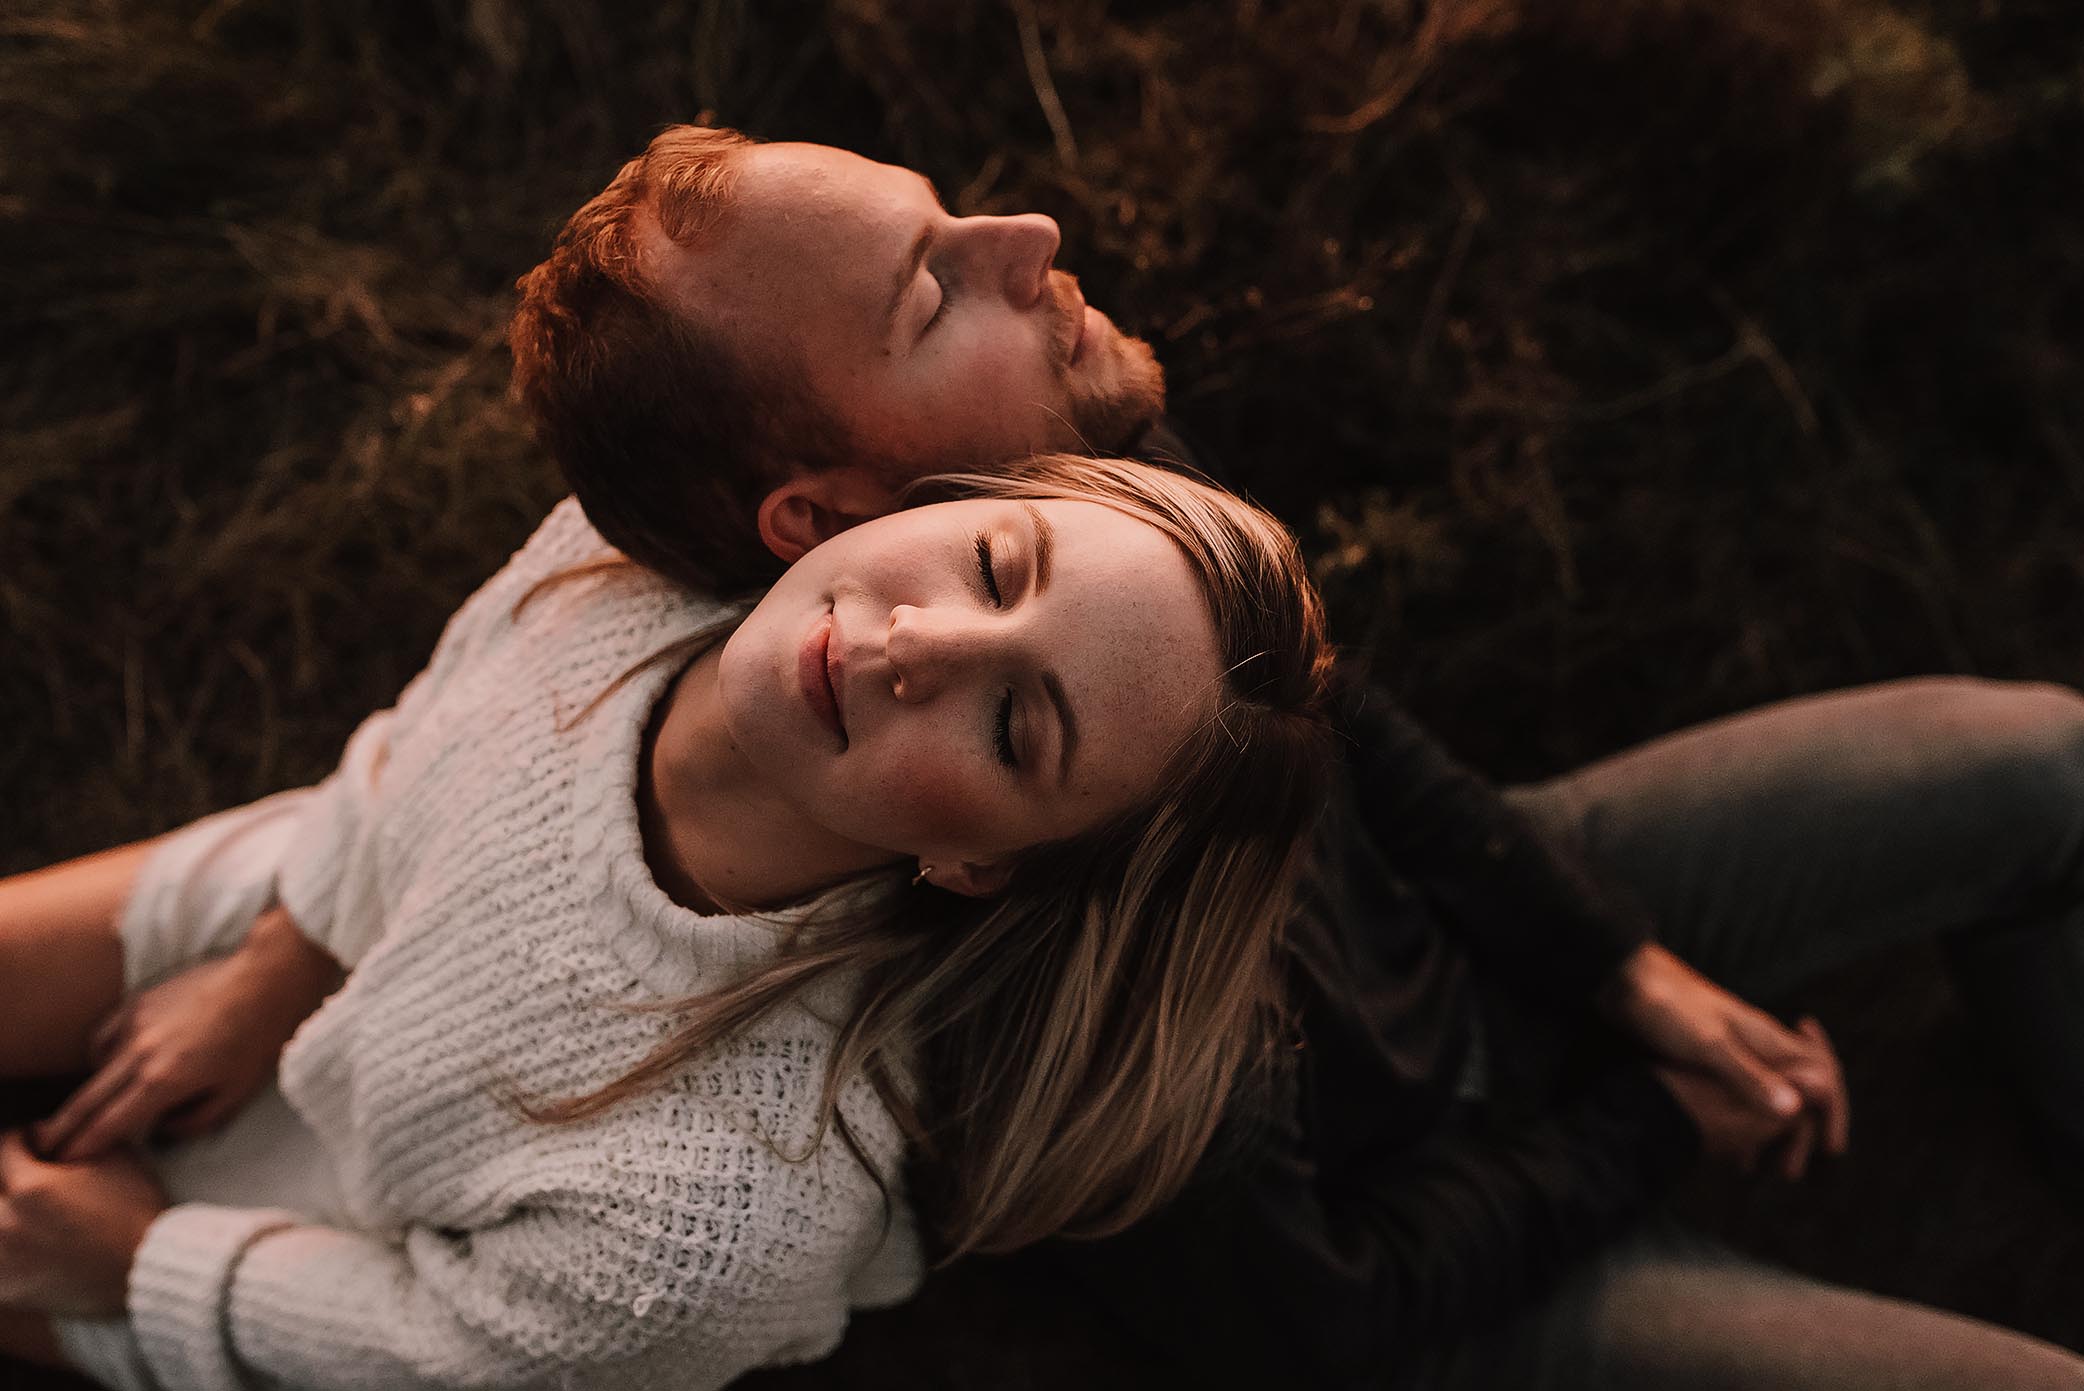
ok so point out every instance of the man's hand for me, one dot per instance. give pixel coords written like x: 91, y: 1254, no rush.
x: 179, y: 1059
x: 1685, y: 1019
x: 68, y: 1232
x: 1733, y: 1130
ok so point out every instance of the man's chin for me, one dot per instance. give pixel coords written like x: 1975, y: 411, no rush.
x: 1109, y: 420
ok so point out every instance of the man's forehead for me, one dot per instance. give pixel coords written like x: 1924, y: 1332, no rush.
x: 815, y: 217
x: 805, y: 223
x: 825, y: 178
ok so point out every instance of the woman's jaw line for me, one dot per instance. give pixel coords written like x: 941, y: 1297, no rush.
x: 697, y: 770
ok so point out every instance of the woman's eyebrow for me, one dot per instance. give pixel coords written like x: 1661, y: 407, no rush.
x: 1045, y: 545
x: 1067, y: 722
x: 1067, y: 725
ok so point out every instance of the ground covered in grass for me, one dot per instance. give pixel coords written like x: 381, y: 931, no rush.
x: 1624, y: 364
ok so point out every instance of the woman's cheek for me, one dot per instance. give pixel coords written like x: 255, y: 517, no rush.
x: 942, y: 803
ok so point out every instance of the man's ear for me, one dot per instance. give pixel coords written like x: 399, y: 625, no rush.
x: 815, y: 507
x: 972, y: 880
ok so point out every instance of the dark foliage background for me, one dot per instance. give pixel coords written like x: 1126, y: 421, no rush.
x: 1626, y: 363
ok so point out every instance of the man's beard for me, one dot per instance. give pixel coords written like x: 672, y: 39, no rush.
x: 1109, y: 421
x: 1106, y: 420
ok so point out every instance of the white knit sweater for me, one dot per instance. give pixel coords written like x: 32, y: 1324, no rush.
x: 480, y: 872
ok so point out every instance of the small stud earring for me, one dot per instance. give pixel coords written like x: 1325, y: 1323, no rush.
x: 925, y: 872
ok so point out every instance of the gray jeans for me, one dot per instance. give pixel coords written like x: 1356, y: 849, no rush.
x: 1772, y: 846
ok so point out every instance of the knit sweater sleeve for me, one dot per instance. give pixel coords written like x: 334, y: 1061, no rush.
x: 226, y: 1299
x: 1530, y: 909
x: 309, y: 880
x: 320, y: 861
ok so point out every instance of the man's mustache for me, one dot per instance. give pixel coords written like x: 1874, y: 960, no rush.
x: 1066, y: 318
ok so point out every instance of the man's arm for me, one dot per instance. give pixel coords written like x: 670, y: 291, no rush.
x: 1272, y: 1272
x: 1445, y: 827
x: 1527, y: 908
x: 1537, y: 916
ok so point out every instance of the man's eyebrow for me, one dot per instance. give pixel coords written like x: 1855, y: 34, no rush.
x: 907, y: 272
x: 1067, y: 722
x: 1045, y: 545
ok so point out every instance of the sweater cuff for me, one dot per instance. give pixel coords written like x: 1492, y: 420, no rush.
x: 180, y: 1282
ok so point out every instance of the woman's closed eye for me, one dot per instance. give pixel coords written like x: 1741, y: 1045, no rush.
x: 984, y: 570
x: 1002, y: 732
x: 1002, y: 726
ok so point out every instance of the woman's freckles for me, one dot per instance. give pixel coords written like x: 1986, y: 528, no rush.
x: 935, y: 802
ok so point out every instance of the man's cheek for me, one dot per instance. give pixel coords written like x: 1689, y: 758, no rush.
x: 996, y: 371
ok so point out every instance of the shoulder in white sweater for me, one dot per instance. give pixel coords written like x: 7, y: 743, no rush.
x: 476, y: 861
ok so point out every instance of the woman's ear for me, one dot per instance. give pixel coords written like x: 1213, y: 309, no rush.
x: 972, y: 880
x: 812, y: 508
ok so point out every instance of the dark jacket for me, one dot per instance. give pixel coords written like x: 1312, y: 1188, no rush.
x: 1356, y: 1211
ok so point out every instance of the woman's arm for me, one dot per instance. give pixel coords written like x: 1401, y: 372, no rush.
x: 61, y: 959
x: 605, y: 1291
x: 180, y: 1058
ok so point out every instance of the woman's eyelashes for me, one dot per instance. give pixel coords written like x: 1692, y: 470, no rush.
x: 984, y: 569
x: 1002, y: 726
x: 1002, y: 731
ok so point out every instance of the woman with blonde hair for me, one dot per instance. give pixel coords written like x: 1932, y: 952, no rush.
x: 647, y: 909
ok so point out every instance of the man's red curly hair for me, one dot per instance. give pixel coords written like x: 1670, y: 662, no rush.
x: 669, y: 439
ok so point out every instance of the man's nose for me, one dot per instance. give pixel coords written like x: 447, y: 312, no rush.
x: 930, y: 648
x: 1019, y: 251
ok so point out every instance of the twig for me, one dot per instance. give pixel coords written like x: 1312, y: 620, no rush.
x: 1045, y: 88
x: 1473, y: 211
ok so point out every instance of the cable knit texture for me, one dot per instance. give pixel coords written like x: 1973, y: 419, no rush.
x: 476, y: 862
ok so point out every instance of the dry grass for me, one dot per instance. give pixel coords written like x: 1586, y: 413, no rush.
x: 1630, y: 362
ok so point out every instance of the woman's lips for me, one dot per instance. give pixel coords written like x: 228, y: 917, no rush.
x: 817, y: 672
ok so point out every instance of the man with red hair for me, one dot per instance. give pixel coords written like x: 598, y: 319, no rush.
x: 729, y: 316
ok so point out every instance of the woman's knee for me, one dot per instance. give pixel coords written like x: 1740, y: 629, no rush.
x: 2009, y: 752
x: 2031, y: 737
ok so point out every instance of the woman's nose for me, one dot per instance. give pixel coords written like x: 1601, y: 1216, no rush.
x: 1017, y: 253
x: 930, y: 647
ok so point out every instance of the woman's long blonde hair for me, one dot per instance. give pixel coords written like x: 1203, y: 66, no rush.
x: 1081, y: 1032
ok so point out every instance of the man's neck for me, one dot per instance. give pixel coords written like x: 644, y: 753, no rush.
x: 717, y: 836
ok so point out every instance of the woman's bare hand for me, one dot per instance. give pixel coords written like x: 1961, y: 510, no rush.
x: 176, y: 1061
x: 69, y: 1232
x: 1687, y: 1020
